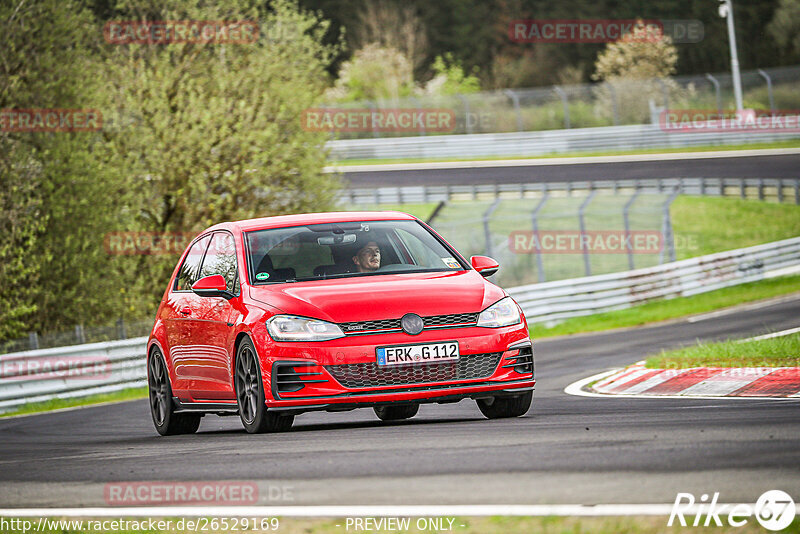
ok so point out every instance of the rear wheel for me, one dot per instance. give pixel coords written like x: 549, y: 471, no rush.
x: 250, y: 395
x: 500, y: 407
x: 166, y: 421
x: 396, y: 413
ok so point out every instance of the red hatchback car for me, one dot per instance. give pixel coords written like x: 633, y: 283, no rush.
x: 269, y: 318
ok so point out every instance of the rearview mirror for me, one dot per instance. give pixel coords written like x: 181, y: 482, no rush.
x: 484, y: 265
x: 212, y: 286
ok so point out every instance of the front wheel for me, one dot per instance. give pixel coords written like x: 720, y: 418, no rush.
x: 166, y: 421
x: 396, y: 413
x: 500, y: 407
x: 250, y: 395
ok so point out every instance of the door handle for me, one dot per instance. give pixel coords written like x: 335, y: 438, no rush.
x: 186, y: 310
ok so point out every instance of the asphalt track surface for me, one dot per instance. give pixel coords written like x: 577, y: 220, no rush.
x: 772, y: 166
x: 566, y: 450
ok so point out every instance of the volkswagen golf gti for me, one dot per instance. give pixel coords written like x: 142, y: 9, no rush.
x: 269, y: 318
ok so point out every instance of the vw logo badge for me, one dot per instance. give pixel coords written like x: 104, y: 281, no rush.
x: 412, y: 324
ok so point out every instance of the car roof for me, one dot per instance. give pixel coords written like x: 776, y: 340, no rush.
x: 310, y: 218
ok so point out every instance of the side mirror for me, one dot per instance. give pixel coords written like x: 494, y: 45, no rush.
x: 484, y: 265
x: 212, y: 286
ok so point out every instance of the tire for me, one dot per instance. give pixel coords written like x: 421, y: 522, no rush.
x: 396, y: 413
x: 162, y: 409
x: 501, y: 407
x: 253, y: 412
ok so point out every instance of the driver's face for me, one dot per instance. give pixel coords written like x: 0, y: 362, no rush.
x: 368, y: 258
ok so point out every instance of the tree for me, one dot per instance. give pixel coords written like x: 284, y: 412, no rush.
x: 638, y: 67
x: 374, y: 73
x: 785, y: 25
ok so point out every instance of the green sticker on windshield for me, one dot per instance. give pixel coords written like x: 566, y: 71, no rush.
x: 262, y: 276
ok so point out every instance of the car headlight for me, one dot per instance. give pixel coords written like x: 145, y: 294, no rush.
x: 502, y: 313
x: 293, y: 328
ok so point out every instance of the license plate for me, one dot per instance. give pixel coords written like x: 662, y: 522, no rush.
x: 423, y: 353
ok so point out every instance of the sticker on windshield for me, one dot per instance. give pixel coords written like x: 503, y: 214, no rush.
x: 262, y: 276
x: 452, y: 263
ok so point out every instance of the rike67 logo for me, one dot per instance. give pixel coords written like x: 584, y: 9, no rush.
x: 775, y: 510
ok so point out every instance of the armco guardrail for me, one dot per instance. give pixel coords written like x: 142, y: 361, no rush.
x: 780, y: 189
x: 81, y: 370
x: 73, y: 371
x: 540, y: 143
x: 550, y: 302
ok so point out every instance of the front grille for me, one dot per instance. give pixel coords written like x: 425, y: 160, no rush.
x: 433, y: 321
x: 522, y: 362
x: 362, y: 375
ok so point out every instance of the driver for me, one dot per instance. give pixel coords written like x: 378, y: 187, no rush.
x: 368, y: 258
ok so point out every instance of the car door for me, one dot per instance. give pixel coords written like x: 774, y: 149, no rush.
x: 213, y: 323
x: 181, y: 308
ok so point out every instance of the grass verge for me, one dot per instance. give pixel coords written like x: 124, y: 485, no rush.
x: 662, y: 310
x: 781, y: 351
x: 495, y: 525
x: 706, y: 148
x: 59, y: 404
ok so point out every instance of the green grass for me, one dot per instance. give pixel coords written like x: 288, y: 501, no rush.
x: 662, y: 310
x: 704, y: 225
x: 501, y: 525
x: 781, y: 351
x: 707, y: 148
x: 58, y: 404
x: 421, y: 211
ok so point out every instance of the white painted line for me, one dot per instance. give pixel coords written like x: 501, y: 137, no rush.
x: 357, y: 511
x: 743, y: 307
x: 576, y: 388
x: 576, y: 160
x: 772, y: 335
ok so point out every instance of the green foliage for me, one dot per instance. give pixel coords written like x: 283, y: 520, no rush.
x: 374, y: 73
x: 193, y: 134
x: 450, y: 78
x: 785, y: 25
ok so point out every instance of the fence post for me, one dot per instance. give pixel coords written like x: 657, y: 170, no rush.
x: 760, y: 189
x: 626, y: 221
x: 121, y: 334
x: 419, y: 108
x: 535, y: 219
x: 515, y: 100
x: 467, y: 122
x: 563, y: 96
x: 486, y: 232
x: 780, y: 190
x: 373, y: 109
x: 764, y: 75
x: 797, y: 191
x: 586, y: 265
x: 665, y: 92
x: 666, y: 228
x: 33, y: 340
x: 614, y: 107
x: 80, y: 336
x: 717, y: 91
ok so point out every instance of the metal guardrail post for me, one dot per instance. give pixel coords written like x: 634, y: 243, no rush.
x: 626, y: 221
x: 743, y: 189
x: 565, y: 103
x: 780, y: 190
x: 797, y: 191
x: 764, y: 75
x: 487, y: 234
x: 79, y: 334
x: 666, y: 228
x: 33, y: 340
x: 760, y: 189
x: 535, y: 220
x: 586, y: 265
x: 515, y: 100
x: 717, y: 91
x: 121, y: 334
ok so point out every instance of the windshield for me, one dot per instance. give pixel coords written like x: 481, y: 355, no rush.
x: 348, y: 249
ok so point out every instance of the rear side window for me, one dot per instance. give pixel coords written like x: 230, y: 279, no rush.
x: 221, y: 259
x: 188, y: 273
